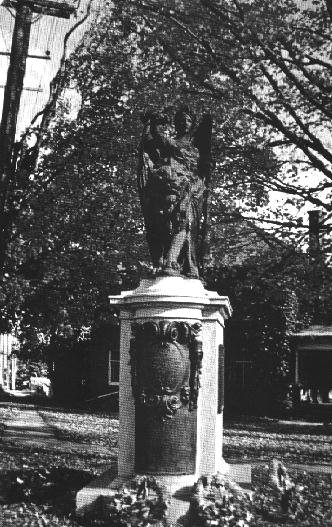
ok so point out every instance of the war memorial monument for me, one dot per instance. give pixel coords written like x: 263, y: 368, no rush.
x: 171, y: 349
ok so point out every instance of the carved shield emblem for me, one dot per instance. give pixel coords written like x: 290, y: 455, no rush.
x: 165, y: 363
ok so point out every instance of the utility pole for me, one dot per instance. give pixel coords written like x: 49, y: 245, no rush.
x: 12, y: 94
x: 13, y: 91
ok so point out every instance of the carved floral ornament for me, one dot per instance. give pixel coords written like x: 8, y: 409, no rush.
x: 166, y: 362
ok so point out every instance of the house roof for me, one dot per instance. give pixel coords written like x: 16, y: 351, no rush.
x: 314, y: 331
x: 314, y: 339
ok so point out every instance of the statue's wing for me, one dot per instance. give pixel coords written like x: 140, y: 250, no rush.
x: 202, y: 140
x: 203, y: 133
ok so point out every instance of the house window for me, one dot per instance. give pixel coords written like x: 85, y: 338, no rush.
x: 242, y: 372
x: 114, y: 367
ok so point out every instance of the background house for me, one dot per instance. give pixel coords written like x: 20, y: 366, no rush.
x: 8, y: 361
x: 88, y: 372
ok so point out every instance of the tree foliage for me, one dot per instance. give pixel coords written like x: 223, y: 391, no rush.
x: 271, y: 299
x: 80, y: 231
x: 257, y: 335
x: 260, y: 69
x: 268, y: 62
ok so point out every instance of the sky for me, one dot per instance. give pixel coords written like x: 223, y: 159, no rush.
x: 47, y: 34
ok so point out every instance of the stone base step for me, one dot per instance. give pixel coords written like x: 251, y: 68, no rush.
x: 177, y: 491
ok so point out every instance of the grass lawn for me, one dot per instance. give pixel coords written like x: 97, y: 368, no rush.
x: 94, y: 428
x: 263, y: 439
x: 246, y: 440
x: 38, y: 486
x: 310, y: 506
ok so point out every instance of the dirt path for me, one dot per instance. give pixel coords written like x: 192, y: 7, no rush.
x: 26, y: 427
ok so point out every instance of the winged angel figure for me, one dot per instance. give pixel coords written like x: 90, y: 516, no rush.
x: 172, y: 175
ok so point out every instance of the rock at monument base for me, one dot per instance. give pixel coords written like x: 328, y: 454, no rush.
x: 175, y: 498
x: 172, y: 495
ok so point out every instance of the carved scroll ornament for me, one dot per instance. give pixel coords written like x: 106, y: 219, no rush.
x: 166, y: 361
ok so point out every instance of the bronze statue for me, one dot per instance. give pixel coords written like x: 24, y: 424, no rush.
x: 172, y: 174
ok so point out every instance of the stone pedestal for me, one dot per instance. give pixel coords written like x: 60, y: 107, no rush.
x: 171, y: 388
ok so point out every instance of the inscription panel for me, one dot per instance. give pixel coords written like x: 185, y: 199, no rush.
x: 165, y: 446
x: 221, y: 378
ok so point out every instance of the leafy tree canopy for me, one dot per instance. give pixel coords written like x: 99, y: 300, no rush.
x: 269, y: 63
x: 260, y: 69
x: 80, y: 230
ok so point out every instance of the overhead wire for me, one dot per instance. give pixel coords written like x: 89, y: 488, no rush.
x: 38, y: 71
x: 49, y: 45
x: 51, y: 33
x: 36, y: 19
x: 41, y: 70
x: 78, y: 5
x: 33, y: 108
x: 26, y: 98
x: 42, y: 28
x: 29, y: 97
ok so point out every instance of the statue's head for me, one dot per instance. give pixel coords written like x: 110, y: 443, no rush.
x: 183, y: 121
